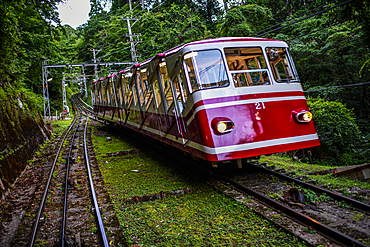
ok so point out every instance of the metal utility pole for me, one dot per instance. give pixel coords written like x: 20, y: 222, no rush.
x: 133, y: 50
x: 96, y: 67
x: 83, y: 70
x: 45, y: 93
x: 65, y: 104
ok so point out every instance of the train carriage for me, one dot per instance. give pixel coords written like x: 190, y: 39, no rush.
x: 218, y: 99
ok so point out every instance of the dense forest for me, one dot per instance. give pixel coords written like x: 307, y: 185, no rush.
x: 329, y: 42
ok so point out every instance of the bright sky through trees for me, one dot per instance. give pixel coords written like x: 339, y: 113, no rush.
x: 74, y: 12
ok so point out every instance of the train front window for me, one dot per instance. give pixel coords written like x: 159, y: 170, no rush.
x: 205, y: 69
x: 281, y: 65
x: 247, y: 66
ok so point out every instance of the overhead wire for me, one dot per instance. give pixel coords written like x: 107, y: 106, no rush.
x: 333, y: 24
x: 348, y: 85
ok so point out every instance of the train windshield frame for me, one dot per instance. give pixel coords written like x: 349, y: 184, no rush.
x: 247, y: 66
x: 281, y: 64
x: 205, y: 69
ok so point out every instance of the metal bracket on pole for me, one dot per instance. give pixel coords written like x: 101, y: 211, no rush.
x: 132, y: 42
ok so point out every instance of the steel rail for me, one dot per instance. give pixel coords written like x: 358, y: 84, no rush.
x: 31, y: 242
x: 332, y: 194
x: 66, y: 185
x: 94, y: 197
x: 323, y: 229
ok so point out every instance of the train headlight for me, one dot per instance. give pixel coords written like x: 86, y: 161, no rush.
x: 222, y: 125
x: 302, y: 116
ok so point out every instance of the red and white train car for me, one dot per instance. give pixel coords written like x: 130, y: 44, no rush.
x: 218, y: 99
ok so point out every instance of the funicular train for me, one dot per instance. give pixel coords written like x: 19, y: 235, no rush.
x: 219, y: 99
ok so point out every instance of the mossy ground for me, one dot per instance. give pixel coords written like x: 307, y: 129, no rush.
x: 61, y: 125
x: 201, y: 218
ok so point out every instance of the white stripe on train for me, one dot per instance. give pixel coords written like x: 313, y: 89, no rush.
x: 234, y: 148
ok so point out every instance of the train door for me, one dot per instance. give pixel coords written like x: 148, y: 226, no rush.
x: 92, y: 93
x: 107, y: 108
x: 180, y: 94
x: 120, y: 97
x: 115, y: 97
x: 101, y: 96
x: 97, y: 96
x: 168, y: 102
x: 174, y: 96
x: 128, y: 94
x: 140, y: 97
x: 147, y: 97
x: 159, y: 99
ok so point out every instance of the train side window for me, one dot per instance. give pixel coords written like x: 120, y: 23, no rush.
x: 111, y: 92
x: 157, y: 91
x: 100, y: 95
x: 146, y: 88
x: 104, y: 93
x: 183, y: 86
x: 191, y: 74
x: 181, y: 94
x: 118, y: 90
x: 166, y: 84
x: 281, y: 64
x: 97, y: 93
x: 121, y: 90
x: 107, y: 91
x: 140, y: 88
x: 128, y: 89
x: 205, y: 69
x: 178, y: 93
x: 247, y: 66
x: 133, y: 95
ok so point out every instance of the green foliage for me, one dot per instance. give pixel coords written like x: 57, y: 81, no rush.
x: 244, y: 20
x: 163, y: 28
x: 338, y: 133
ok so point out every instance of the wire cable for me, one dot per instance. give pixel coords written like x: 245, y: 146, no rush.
x: 327, y: 88
x: 349, y: 19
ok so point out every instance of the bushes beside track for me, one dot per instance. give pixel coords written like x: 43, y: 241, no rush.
x: 342, y: 143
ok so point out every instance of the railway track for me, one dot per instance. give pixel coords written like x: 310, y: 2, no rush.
x: 69, y: 205
x: 328, y: 232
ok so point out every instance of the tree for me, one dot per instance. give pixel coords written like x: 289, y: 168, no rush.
x: 244, y: 20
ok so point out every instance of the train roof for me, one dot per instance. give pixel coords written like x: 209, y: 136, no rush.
x: 199, y: 42
x: 205, y: 41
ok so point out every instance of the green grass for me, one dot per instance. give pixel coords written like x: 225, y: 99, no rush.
x: 61, y: 125
x: 201, y: 218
